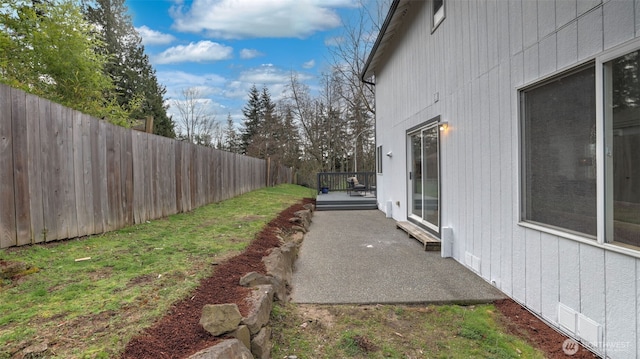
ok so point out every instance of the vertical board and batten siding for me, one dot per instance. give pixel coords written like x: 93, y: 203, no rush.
x: 64, y: 174
x: 475, y: 61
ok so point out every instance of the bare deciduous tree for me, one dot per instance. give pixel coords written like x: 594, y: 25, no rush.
x: 196, y: 123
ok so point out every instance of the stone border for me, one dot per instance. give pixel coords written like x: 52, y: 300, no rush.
x: 252, y: 333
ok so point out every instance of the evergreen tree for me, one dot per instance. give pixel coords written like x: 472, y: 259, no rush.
x: 251, y: 122
x: 128, y: 65
x: 231, y: 137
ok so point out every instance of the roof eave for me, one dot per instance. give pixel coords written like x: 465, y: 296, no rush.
x: 376, y: 51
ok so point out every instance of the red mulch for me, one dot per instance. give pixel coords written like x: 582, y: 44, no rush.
x: 522, y: 323
x: 178, y: 334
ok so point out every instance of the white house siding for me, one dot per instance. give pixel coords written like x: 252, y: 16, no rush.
x: 475, y: 61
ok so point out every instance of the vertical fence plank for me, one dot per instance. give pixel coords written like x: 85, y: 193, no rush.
x: 7, y: 201
x: 87, y: 171
x: 126, y: 159
x: 103, y: 129
x: 82, y: 214
x: 67, y: 176
x: 178, y: 175
x: 53, y: 213
x: 138, y: 175
x: 35, y: 170
x: 20, y: 166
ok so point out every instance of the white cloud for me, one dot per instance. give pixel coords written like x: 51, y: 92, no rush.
x: 309, y: 64
x: 236, y: 19
x: 176, y: 81
x: 153, y: 37
x: 250, y: 53
x: 333, y: 41
x: 201, y: 51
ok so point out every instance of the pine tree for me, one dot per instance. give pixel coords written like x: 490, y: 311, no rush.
x: 128, y: 65
x: 252, y: 114
x: 231, y: 136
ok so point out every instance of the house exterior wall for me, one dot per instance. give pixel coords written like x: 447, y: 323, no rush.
x: 474, y: 63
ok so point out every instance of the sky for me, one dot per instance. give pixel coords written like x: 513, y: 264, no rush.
x: 223, y: 47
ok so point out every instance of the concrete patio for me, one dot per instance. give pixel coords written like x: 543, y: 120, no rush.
x: 359, y: 257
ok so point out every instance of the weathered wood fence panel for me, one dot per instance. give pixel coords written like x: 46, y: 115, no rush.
x: 64, y: 174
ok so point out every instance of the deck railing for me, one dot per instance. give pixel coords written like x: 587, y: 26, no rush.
x: 337, y: 181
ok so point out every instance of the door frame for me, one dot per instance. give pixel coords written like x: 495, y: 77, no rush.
x: 422, y: 222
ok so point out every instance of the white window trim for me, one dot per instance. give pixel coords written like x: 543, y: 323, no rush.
x: 600, y: 240
x: 438, y: 17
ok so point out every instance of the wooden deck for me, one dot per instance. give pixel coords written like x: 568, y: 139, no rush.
x: 340, y: 200
x: 430, y: 243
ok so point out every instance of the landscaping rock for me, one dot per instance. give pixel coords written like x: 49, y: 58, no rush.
x: 299, y: 229
x: 261, y: 344
x: 228, y: 349
x: 243, y: 335
x: 254, y: 279
x: 310, y: 207
x: 296, y: 238
x: 261, y: 300
x: 220, y: 318
x: 279, y: 263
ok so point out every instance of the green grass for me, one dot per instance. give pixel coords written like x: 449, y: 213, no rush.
x: 90, y: 309
x: 383, y: 331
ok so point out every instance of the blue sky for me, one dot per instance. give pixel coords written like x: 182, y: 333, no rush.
x: 223, y: 47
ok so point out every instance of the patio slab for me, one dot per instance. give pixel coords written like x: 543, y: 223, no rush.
x: 359, y: 257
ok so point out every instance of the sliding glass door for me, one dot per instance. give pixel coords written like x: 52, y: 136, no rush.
x: 425, y: 177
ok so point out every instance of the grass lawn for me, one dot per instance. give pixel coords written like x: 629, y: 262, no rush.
x: 91, y: 308
x: 385, y: 331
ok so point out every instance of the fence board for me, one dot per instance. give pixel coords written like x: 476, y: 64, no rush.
x: 7, y: 200
x: 87, y: 170
x: 78, y: 173
x: 20, y: 166
x: 51, y: 165
x: 68, y: 176
x: 126, y: 159
x: 35, y: 170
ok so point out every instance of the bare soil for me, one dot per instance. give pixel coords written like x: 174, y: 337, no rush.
x: 179, y: 334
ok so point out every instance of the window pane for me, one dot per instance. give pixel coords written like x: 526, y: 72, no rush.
x: 625, y: 155
x: 559, y: 164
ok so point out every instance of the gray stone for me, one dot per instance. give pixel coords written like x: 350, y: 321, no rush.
x: 252, y: 279
x: 228, y: 349
x: 310, y: 207
x: 279, y: 263
x: 220, y: 318
x: 243, y: 335
x: 299, y: 229
x: 261, y: 344
x: 261, y: 301
x: 296, y: 238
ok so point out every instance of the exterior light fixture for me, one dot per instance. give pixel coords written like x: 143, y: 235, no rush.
x: 443, y: 126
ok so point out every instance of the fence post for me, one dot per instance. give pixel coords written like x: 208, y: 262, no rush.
x: 268, y: 171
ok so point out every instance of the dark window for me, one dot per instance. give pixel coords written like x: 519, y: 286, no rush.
x: 559, y: 152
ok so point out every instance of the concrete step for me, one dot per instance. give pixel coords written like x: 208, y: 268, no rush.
x: 430, y: 242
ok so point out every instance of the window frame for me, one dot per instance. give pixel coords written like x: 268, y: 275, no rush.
x: 436, y: 23
x: 603, y: 223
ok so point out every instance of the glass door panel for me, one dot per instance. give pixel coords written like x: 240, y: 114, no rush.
x: 416, y: 175
x: 431, y: 177
x: 425, y: 177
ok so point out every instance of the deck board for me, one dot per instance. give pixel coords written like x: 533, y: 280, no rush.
x: 430, y: 243
x: 336, y: 200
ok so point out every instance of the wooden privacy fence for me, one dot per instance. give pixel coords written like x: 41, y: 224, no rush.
x: 64, y: 174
